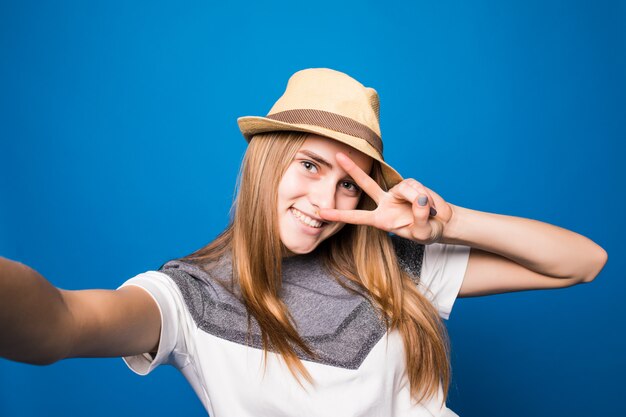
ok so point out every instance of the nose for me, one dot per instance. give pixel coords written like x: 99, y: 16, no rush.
x: 322, y: 194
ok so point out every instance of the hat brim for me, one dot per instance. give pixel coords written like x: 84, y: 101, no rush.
x: 252, y: 125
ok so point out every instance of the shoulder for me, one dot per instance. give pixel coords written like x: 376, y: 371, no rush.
x: 202, y: 285
x: 410, y: 255
x: 438, y: 269
x: 214, y: 278
x: 425, y: 263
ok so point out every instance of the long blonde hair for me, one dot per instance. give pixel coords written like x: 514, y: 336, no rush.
x: 363, y: 254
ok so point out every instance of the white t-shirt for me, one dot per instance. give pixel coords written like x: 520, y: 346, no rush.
x: 360, y: 369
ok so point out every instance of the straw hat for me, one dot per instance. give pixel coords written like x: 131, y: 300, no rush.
x: 328, y: 103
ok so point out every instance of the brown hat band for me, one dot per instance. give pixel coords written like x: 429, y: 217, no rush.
x: 330, y: 121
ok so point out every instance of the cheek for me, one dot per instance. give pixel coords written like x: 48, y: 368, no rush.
x: 290, y: 186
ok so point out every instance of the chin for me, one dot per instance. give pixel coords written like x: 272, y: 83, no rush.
x: 299, y: 250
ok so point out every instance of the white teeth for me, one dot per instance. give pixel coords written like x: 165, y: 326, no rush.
x: 306, y: 219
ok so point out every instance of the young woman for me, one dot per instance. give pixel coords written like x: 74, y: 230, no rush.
x: 326, y: 292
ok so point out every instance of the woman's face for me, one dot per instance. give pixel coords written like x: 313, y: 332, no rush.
x: 312, y: 181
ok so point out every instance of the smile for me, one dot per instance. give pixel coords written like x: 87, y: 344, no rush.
x: 303, y: 218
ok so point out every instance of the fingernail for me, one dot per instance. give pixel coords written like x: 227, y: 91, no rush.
x: 422, y: 200
x: 433, y: 212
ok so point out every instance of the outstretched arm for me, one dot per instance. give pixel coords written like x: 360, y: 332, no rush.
x: 41, y: 324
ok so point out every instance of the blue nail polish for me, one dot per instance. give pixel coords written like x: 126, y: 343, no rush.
x: 422, y: 200
x: 433, y: 212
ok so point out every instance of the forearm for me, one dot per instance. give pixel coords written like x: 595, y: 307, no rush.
x: 32, y: 313
x: 541, y: 247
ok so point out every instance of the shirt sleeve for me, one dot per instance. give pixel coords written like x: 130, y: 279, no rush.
x: 176, y: 323
x: 442, y: 273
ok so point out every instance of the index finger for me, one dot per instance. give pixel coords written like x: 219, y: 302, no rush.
x: 347, y: 216
x: 364, y: 181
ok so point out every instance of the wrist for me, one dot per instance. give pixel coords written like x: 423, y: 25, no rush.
x: 452, y: 229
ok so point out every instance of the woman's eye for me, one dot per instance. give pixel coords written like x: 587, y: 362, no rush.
x: 309, y: 166
x: 350, y: 186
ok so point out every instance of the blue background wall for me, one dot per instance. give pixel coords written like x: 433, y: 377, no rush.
x: 119, y: 150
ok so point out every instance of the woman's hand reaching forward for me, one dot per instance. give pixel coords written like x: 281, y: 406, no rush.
x: 409, y: 209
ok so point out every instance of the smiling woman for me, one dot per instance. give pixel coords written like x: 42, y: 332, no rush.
x: 314, y: 181
x: 332, y: 264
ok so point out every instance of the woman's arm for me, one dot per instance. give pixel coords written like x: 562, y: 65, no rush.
x: 41, y: 324
x: 513, y: 253
x: 508, y: 253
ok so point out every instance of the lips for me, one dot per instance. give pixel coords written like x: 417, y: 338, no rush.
x: 306, y: 219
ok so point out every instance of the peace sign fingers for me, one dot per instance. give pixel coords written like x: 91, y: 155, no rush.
x: 348, y: 216
x: 364, y: 181
x: 366, y: 184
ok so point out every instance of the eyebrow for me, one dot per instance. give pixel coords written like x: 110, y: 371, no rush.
x: 317, y: 158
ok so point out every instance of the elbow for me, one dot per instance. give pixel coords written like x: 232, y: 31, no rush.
x: 51, y: 354
x: 32, y: 359
x: 40, y: 351
x: 43, y: 361
x: 596, y: 266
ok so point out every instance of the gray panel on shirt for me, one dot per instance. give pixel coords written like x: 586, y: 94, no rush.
x: 340, y: 325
